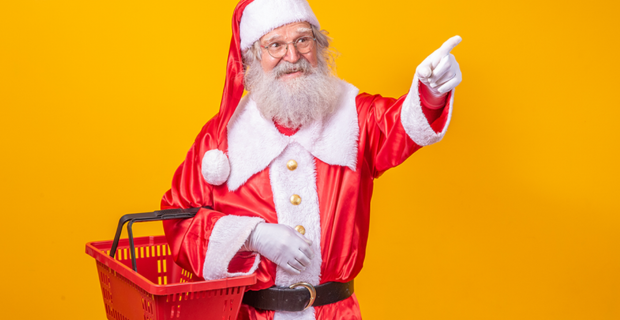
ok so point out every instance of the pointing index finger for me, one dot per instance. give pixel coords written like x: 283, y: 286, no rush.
x: 447, y: 46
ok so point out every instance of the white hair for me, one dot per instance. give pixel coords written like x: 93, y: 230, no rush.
x: 297, y: 101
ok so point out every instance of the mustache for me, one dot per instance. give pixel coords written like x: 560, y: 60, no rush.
x: 285, y: 67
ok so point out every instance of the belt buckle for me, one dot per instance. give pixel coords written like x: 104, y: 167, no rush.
x: 310, y: 289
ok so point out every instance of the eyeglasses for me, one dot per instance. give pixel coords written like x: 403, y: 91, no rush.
x: 279, y: 49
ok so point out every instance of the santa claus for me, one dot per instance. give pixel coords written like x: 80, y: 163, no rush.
x: 288, y: 169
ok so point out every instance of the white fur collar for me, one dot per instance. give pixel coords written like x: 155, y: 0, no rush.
x: 253, y: 141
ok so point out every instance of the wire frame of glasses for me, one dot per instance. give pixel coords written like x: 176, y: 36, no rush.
x: 279, y: 49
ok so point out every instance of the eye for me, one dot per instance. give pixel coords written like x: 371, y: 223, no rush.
x: 303, y: 39
x: 275, y: 45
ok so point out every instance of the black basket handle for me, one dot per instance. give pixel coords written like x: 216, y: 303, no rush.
x: 147, y: 216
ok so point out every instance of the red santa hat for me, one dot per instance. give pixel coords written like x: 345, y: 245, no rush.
x: 252, y: 19
x: 262, y: 16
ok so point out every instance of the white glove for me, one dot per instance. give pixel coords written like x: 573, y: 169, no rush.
x: 281, y: 244
x: 440, y: 72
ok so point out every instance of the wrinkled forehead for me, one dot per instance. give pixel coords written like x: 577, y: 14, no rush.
x: 287, y: 32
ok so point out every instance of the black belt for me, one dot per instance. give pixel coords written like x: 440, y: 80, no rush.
x: 299, y: 296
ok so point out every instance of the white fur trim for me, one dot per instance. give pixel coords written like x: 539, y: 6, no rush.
x: 215, y: 167
x: 228, y: 236
x: 302, y: 182
x: 414, y: 121
x: 253, y: 141
x: 337, y: 144
x: 307, y: 314
x: 262, y: 16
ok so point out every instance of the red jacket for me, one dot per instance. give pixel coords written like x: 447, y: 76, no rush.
x: 338, y: 160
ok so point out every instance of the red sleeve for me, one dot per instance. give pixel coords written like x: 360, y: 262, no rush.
x: 432, y: 106
x: 386, y: 143
x: 189, y: 238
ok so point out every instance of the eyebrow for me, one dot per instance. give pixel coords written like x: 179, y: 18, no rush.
x: 304, y: 30
x: 274, y: 37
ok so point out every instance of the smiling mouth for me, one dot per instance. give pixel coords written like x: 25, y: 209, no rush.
x: 290, y: 72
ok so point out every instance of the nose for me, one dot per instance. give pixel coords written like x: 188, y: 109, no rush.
x: 292, y: 55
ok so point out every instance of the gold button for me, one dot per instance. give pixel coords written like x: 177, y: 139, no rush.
x: 291, y: 165
x: 300, y: 229
x: 295, y: 199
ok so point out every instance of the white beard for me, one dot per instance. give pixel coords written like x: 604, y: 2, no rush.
x: 295, y: 102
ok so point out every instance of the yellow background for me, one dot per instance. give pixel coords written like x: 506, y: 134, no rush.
x: 513, y: 216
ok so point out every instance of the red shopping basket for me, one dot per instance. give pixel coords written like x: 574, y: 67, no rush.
x: 160, y: 289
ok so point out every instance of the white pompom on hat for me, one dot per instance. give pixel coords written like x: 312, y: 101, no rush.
x: 262, y: 16
x: 215, y: 167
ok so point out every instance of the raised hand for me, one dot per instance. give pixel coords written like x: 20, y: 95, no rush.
x: 440, y: 72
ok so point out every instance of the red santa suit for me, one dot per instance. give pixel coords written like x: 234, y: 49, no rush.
x: 243, y: 170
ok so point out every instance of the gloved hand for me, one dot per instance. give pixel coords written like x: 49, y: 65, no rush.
x: 440, y: 72
x: 281, y: 244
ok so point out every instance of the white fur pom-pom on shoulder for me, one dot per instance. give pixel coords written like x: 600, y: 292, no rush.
x: 215, y: 167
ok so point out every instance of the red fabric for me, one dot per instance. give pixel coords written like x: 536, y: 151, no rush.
x: 344, y: 195
x: 429, y: 100
x: 233, y: 85
x: 285, y: 130
x: 432, y: 106
x: 185, y: 235
x: 438, y: 124
x: 344, y: 202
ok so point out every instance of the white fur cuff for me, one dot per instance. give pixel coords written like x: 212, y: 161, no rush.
x: 414, y: 121
x: 228, y: 236
x: 215, y: 167
x: 262, y: 16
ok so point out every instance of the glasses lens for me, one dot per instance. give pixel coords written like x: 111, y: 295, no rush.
x: 304, y: 45
x: 278, y: 50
